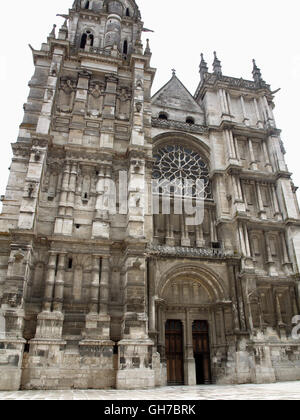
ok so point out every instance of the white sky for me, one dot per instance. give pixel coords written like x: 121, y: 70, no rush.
x: 267, y: 30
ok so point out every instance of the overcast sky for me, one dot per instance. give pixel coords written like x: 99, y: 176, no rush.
x: 267, y: 30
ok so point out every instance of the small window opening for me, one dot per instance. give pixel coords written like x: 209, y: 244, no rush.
x: 127, y: 12
x: 83, y: 41
x: 116, y: 349
x: 125, y: 47
x: 77, y: 226
x: 87, y: 5
x: 70, y: 263
x: 26, y: 347
x: 85, y: 196
x: 216, y: 245
x: 190, y: 120
x: 163, y: 116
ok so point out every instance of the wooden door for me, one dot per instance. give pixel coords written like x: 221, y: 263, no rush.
x: 201, y: 352
x: 174, y: 352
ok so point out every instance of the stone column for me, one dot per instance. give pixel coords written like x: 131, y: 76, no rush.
x: 200, y: 242
x: 170, y: 240
x: 253, y: 164
x: 231, y: 152
x: 185, y: 240
x: 270, y: 262
x: 281, y: 324
x: 238, y: 196
x: 50, y: 282
x: 268, y: 112
x: 288, y: 266
x: 259, y: 121
x: 95, y: 286
x: 262, y: 211
x: 189, y: 362
x: 268, y: 164
x: 101, y: 222
x: 59, y: 283
x: 104, y: 286
x: 63, y: 224
x: 109, y: 110
x: 277, y: 213
x: 235, y: 308
x: 245, y: 118
x: 223, y: 330
x: 72, y: 189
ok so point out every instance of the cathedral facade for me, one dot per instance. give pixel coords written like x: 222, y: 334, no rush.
x: 106, y: 282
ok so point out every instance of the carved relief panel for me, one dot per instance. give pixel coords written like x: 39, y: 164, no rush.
x: 66, y: 95
x: 95, y: 99
x: 186, y: 292
x: 124, y: 97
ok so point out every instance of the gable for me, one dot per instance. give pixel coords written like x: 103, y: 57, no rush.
x: 175, y: 95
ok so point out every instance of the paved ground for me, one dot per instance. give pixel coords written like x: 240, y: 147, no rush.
x: 278, y: 391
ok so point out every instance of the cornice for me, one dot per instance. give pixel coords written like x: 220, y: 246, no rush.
x: 214, y: 81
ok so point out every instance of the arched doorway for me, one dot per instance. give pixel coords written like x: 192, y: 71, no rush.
x: 174, y: 352
x: 201, y: 350
x: 191, y: 295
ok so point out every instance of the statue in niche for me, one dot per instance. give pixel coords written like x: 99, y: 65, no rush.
x: 67, y: 95
x: 123, y: 104
x: 95, y: 101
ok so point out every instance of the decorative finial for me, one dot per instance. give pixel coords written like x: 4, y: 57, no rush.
x: 147, y: 50
x: 217, y: 65
x: 173, y: 72
x: 52, y: 33
x: 203, y: 69
x: 256, y: 73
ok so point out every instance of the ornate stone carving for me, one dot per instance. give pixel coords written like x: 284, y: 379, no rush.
x: 182, y: 252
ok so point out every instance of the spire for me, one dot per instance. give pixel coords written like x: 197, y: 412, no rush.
x: 203, y: 68
x: 147, y: 49
x: 217, y: 65
x: 256, y: 73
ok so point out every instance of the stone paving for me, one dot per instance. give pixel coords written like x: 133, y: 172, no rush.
x: 277, y: 391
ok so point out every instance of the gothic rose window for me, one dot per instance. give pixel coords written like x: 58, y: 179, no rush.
x: 174, y: 164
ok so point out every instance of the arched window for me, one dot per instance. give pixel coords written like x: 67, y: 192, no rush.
x: 127, y: 12
x: 175, y: 164
x: 190, y: 120
x: 87, y: 37
x: 163, y: 116
x: 125, y: 47
x: 87, y: 5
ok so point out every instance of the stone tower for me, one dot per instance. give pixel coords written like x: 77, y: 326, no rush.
x: 75, y: 275
x: 98, y: 287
